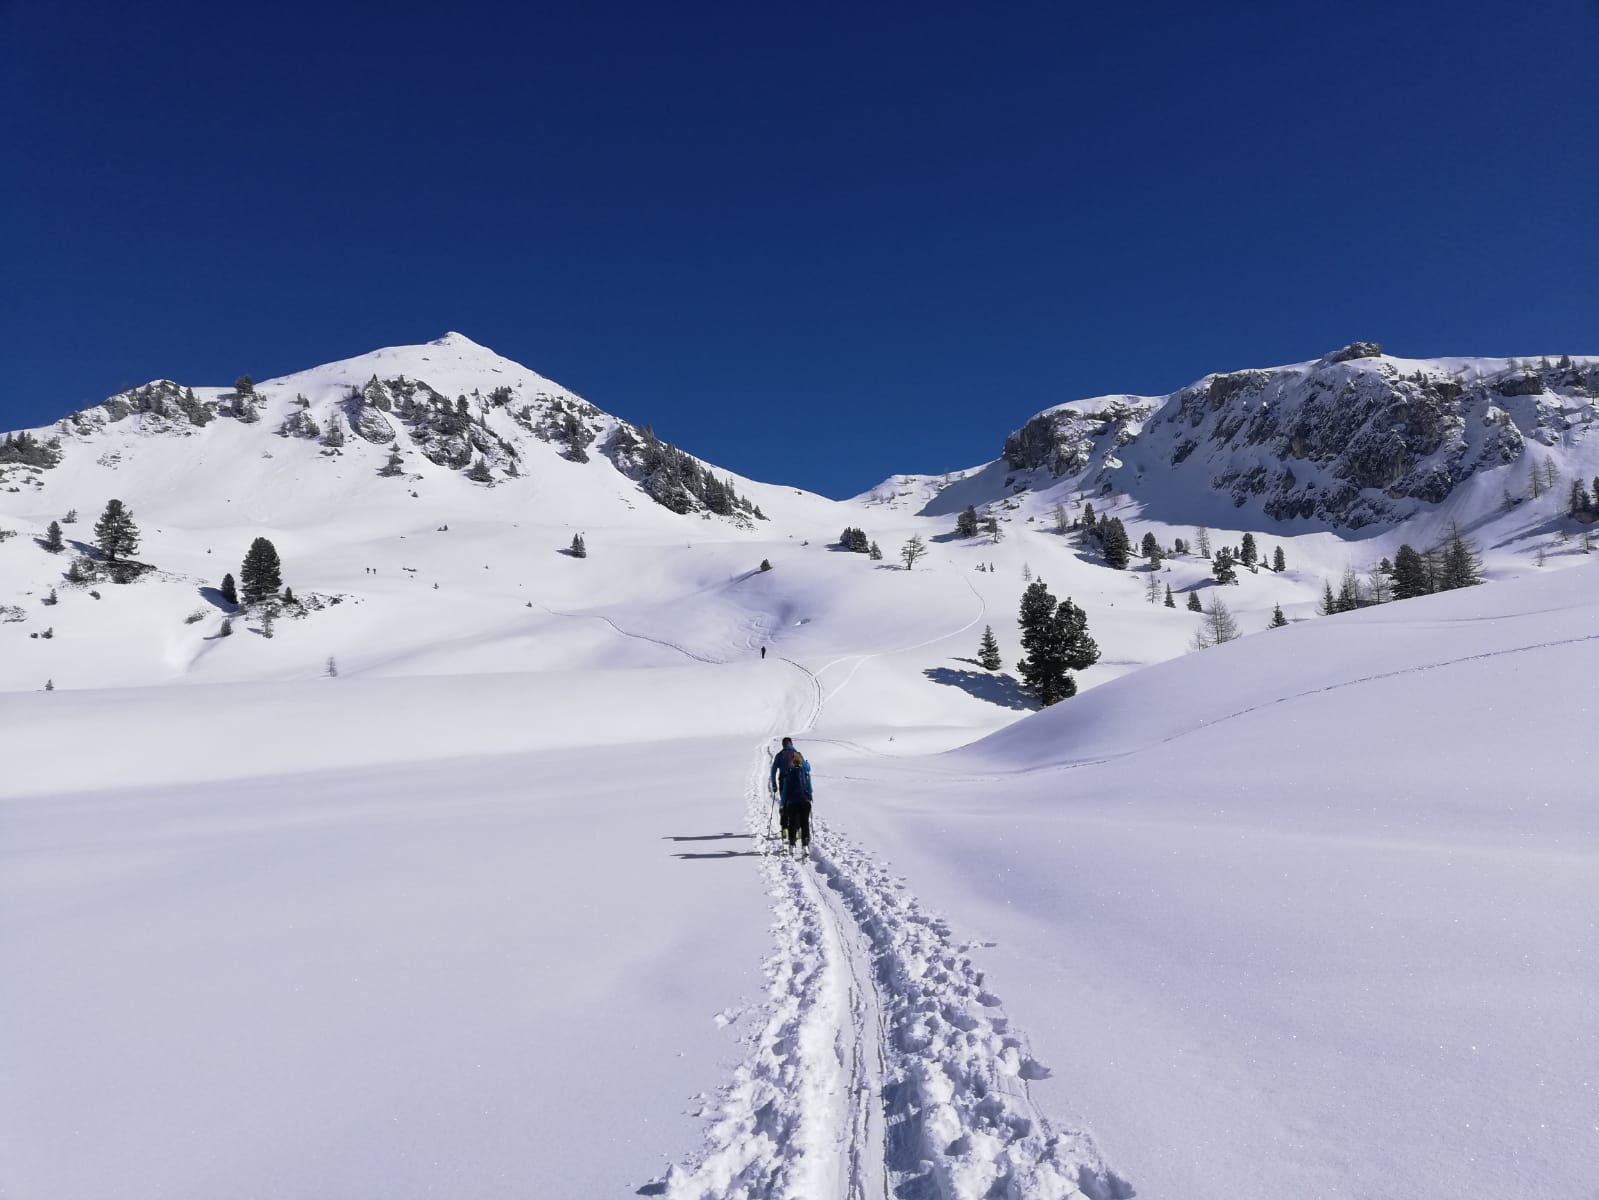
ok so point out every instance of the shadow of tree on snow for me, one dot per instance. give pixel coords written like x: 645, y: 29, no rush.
x: 984, y: 685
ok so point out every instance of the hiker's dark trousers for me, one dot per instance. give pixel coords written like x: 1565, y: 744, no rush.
x: 796, y: 819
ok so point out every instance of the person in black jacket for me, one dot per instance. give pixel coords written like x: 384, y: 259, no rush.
x: 791, y: 779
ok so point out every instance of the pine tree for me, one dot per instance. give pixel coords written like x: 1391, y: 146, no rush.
x: 1178, y: 546
x: 1151, y: 549
x: 115, y: 532
x: 579, y: 548
x: 1193, y: 602
x: 1409, y: 574
x: 912, y: 550
x: 1170, y: 602
x: 1277, y: 618
x: 991, y: 525
x: 1223, y: 568
x: 52, y: 538
x: 262, y: 573
x: 244, y: 386
x: 1055, y: 638
x: 988, y: 650
x: 1246, y: 550
x: 766, y: 564
x: 332, y: 668
x: 227, y: 627
x: 1329, y: 602
x: 229, y: 592
x: 966, y: 523
x: 1278, y: 562
x: 1380, y: 584
x: 1152, y: 588
x: 1579, y: 503
x: 480, y: 472
x: 875, y: 553
x: 335, y: 433
x: 72, y: 514
x: 1461, y: 566
x: 395, y: 465
x: 49, y: 685
x: 1115, y: 543
x: 1349, y: 597
x: 269, y: 620
x: 1088, y: 516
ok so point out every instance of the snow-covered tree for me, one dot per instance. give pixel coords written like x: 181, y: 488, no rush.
x: 1151, y: 548
x: 1409, y: 574
x: 875, y: 553
x: 912, y: 550
x: 1170, y: 602
x: 1193, y: 602
x: 1277, y: 618
x: 1114, y: 542
x: 1246, y: 550
x: 52, y: 538
x: 1278, y: 562
x: 230, y: 593
x: 966, y: 523
x: 1461, y: 566
x: 579, y: 547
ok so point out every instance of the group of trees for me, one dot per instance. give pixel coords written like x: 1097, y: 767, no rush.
x: 1055, y: 638
x: 856, y: 542
x: 1453, y: 563
x: 969, y: 524
x: 1110, y: 535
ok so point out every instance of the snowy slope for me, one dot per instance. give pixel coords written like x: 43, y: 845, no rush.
x: 486, y: 913
x: 1311, y: 914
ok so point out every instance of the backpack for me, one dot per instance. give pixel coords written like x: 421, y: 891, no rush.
x: 796, y: 775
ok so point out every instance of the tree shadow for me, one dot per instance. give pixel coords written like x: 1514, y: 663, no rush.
x: 995, y: 689
x: 217, y: 600
x: 723, y: 854
x: 703, y: 837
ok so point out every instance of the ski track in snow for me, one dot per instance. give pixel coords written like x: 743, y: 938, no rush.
x: 884, y: 1067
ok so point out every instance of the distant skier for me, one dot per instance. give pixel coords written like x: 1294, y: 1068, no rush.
x: 791, y: 779
x: 763, y: 652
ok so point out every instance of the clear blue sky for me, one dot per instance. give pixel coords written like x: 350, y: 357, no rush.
x: 814, y: 243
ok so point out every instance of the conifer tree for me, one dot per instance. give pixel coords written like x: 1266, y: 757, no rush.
x: 1246, y: 550
x: 1170, y: 602
x: 579, y: 547
x: 1349, y: 597
x: 1055, y: 638
x: 991, y: 525
x: 480, y: 472
x: 1278, y: 562
x: 1151, y: 548
x: 52, y: 538
x: 1088, y: 515
x: 766, y: 564
x: 988, y: 650
x: 875, y: 553
x: 1193, y: 602
x: 1409, y: 574
x: 1461, y: 566
x: 1152, y: 588
x: 912, y: 550
x: 72, y: 514
x: 1114, y: 542
x: 1223, y: 568
x: 1579, y: 502
x: 1329, y: 602
x: 966, y: 523
x: 262, y: 573
x: 229, y: 592
x: 115, y: 532
x: 1277, y: 618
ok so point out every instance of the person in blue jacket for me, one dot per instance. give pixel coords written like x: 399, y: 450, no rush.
x: 791, y: 779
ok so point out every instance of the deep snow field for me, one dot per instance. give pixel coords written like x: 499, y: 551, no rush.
x: 490, y: 912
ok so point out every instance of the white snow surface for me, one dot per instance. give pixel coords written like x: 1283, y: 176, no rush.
x: 492, y: 911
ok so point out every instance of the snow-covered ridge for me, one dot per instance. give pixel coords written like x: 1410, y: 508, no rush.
x: 1353, y: 439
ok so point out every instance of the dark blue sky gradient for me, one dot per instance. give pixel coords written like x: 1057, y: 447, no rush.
x: 813, y: 243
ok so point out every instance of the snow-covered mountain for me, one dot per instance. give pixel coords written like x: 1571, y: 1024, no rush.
x: 454, y: 879
x: 1351, y: 440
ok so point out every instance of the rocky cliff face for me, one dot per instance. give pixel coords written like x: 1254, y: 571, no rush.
x: 1352, y: 439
